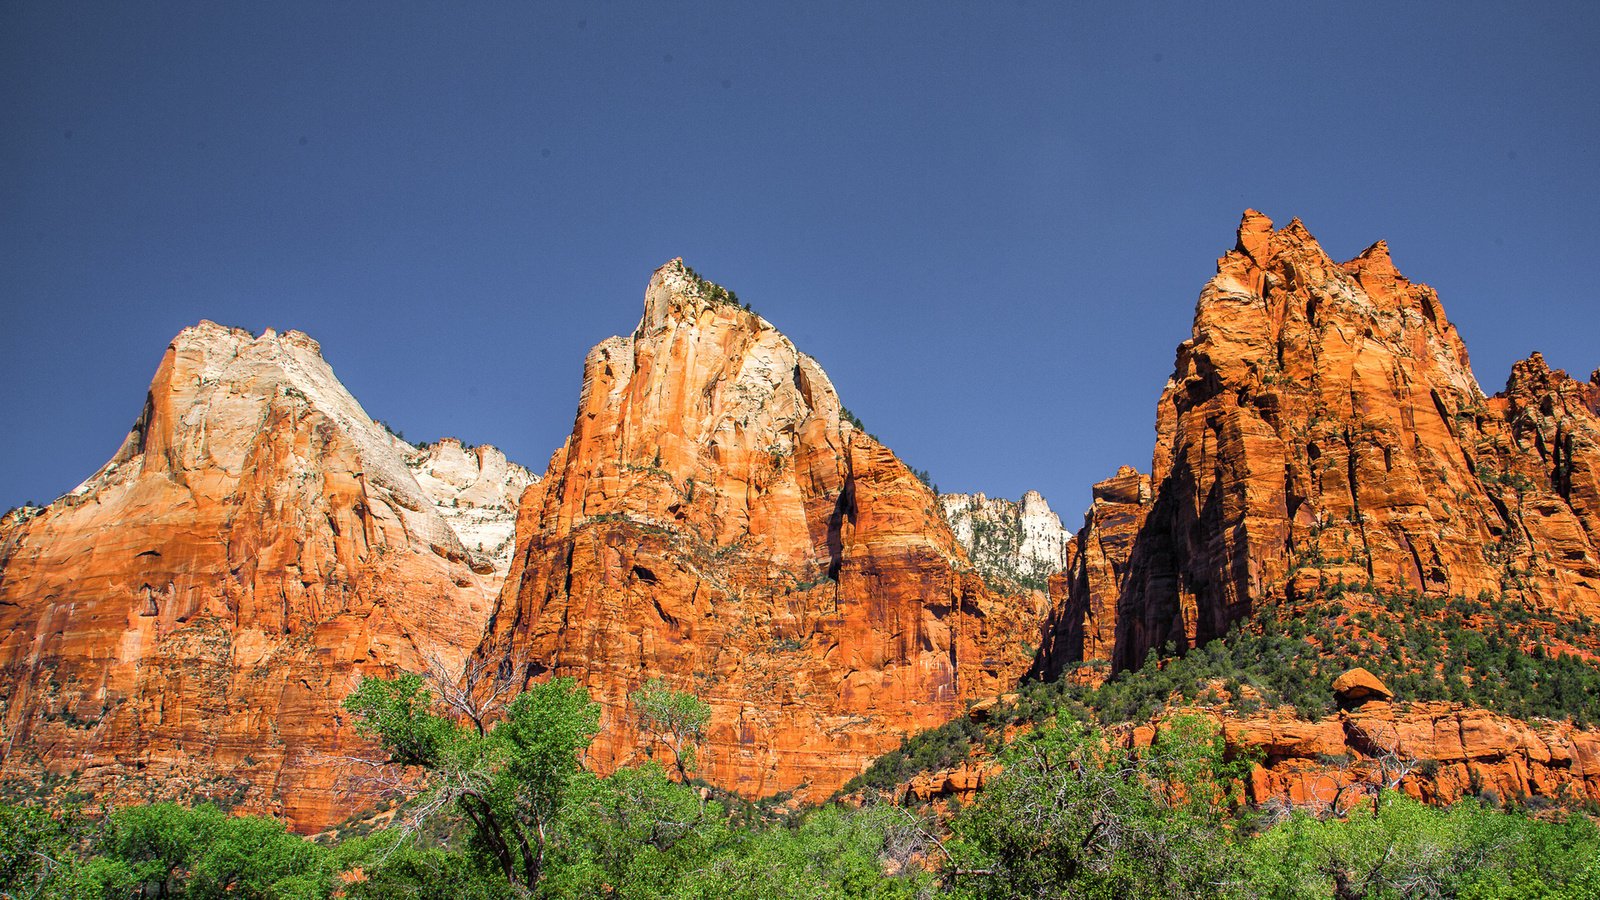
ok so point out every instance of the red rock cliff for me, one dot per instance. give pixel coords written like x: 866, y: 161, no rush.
x: 713, y: 520
x: 1323, y: 426
x: 1083, y: 598
x: 1437, y: 752
x: 189, y: 619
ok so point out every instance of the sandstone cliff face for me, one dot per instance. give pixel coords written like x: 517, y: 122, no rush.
x: 1011, y: 542
x: 1438, y: 752
x: 190, y: 617
x: 1322, y: 427
x: 1083, y: 597
x: 712, y: 520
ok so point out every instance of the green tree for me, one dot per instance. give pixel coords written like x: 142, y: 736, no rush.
x: 677, y: 719
x: 636, y: 834
x: 1407, y: 849
x: 1076, y: 814
x: 168, y: 850
x: 513, y: 784
x: 36, y: 851
x: 392, y: 866
x: 400, y: 712
x: 832, y: 853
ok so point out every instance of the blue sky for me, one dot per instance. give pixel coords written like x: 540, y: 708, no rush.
x: 989, y: 222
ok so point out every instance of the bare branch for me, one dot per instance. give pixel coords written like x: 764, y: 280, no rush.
x: 474, y: 695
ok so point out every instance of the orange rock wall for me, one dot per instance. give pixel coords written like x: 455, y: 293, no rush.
x: 1443, y: 750
x: 713, y: 521
x: 191, y: 617
x: 1436, y: 752
x: 1322, y: 425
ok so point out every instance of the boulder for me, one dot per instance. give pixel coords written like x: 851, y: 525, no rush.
x: 1358, y: 686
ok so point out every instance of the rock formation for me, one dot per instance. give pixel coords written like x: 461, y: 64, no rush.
x: 475, y: 490
x: 1437, y: 752
x: 714, y: 521
x: 1358, y: 686
x: 1322, y: 428
x: 187, y: 621
x: 1018, y: 543
x: 1084, y: 596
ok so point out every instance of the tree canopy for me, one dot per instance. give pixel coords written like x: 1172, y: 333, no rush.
x: 510, y: 810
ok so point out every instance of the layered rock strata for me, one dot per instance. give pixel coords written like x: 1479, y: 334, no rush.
x: 712, y: 520
x: 1437, y: 752
x: 187, y: 621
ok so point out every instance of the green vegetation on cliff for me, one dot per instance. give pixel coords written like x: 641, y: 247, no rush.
x: 1487, y: 653
x: 510, y: 811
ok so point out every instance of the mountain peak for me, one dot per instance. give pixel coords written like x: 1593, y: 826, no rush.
x: 254, y: 507
x: 1374, y: 270
x: 678, y: 293
x: 1255, y: 233
x: 714, y: 517
x: 207, y: 333
x: 1261, y: 248
x: 1323, y: 426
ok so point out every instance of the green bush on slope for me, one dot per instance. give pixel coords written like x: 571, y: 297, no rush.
x: 1072, y: 814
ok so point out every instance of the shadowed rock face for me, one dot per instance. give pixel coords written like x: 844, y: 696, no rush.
x: 189, y: 618
x: 713, y: 521
x: 1323, y: 426
x: 1084, y: 595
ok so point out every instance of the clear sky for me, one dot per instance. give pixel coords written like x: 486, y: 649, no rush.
x: 988, y: 221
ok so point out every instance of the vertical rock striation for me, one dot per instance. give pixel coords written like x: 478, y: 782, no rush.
x: 713, y: 521
x: 1323, y: 427
x: 1083, y: 597
x: 188, y: 620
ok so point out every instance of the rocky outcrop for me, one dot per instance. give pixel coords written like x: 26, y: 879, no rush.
x: 1083, y: 619
x: 713, y: 521
x: 1013, y: 543
x: 476, y: 491
x: 1358, y: 686
x: 962, y: 783
x: 1436, y: 752
x: 187, y: 621
x: 1322, y: 428
x: 1545, y: 466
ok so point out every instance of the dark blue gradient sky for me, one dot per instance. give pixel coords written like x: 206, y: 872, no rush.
x: 989, y: 222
